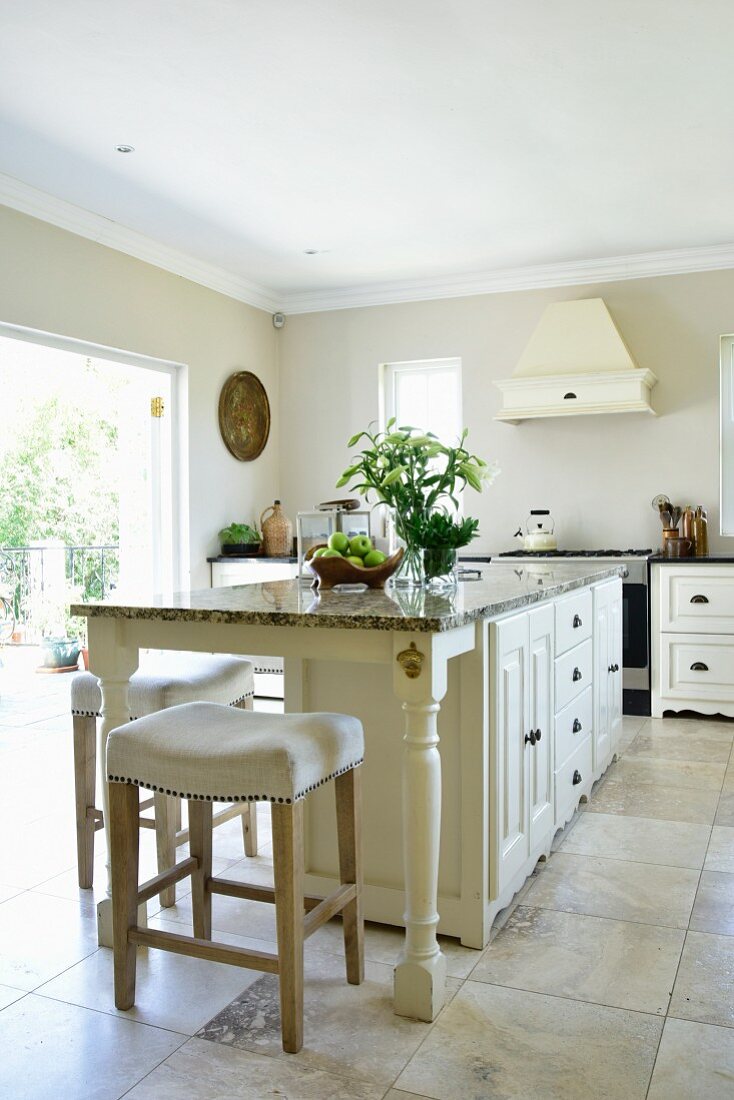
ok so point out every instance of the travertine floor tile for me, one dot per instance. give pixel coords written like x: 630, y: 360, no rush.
x: 9, y: 995
x: 172, y: 991
x: 694, y: 1060
x: 713, y: 909
x: 40, y: 937
x: 218, y: 1072
x: 720, y: 855
x: 663, y: 803
x: 725, y: 811
x: 349, y: 1030
x: 693, y: 775
x: 398, y: 1094
x: 496, y: 1042
x: 674, y: 740
x: 383, y: 944
x: 615, y: 888
x: 610, y: 962
x: 639, y: 839
x: 53, y: 1050
x: 703, y: 988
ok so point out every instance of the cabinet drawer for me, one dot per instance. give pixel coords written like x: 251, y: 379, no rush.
x: 573, y: 673
x: 697, y: 599
x: 568, y: 791
x: 573, y: 725
x: 573, y: 620
x: 697, y: 666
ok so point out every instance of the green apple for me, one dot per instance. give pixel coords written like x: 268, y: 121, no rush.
x: 360, y: 545
x: 355, y: 560
x: 319, y: 553
x: 330, y: 553
x: 339, y: 542
x: 375, y: 557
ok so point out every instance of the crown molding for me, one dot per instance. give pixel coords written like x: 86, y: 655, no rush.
x: 641, y: 265
x: 39, y: 204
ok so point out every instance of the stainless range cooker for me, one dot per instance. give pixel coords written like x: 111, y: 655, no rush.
x: 635, y: 615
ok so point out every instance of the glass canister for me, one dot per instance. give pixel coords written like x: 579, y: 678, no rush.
x: 277, y: 532
x: 439, y: 567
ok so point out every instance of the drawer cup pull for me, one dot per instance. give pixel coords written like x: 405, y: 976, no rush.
x: 577, y: 622
x: 576, y: 778
x: 699, y: 599
x: 576, y: 726
x: 699, y: 666
x: 576, y: 674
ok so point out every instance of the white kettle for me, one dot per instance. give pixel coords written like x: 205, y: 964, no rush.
x: 539, y: 531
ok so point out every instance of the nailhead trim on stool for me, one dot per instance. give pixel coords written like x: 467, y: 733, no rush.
x: 289, y: 754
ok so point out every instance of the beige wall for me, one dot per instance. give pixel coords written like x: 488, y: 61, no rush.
x: 597, y: 474
x: 64, y: 284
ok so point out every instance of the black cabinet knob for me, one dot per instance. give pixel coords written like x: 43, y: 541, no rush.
x: 576, y: 778
x: 530, y: 737
x: 577, y: 621
x: 576, y: 726
x: 699, y: 666
x: 538, y: 735
x: 610, y: 668
x: 616, y: 668
x: 576, y: 674
x: 699, y: 599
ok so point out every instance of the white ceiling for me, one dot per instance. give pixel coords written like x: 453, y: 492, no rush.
x: 411, y: 140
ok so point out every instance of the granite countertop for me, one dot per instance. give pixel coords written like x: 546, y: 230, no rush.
x: 709, y: 559
x: 503, y: 587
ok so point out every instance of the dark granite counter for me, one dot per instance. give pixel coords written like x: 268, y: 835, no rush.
x: 503, y: 587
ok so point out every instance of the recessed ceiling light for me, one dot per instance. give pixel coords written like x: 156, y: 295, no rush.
x: 311, y: 251
x: 125, y: 148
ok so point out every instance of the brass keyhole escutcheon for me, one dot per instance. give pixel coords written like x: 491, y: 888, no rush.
x: 411, y: 661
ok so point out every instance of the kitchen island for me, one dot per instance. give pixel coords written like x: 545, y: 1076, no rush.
x: 500, y: 671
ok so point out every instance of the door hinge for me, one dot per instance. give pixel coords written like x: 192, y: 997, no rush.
x: 156, y: 407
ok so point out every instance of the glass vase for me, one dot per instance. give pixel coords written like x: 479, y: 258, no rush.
x: 410, y: 573
x: 439, y: 567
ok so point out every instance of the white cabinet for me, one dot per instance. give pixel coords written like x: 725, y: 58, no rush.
x: 607, y: 672
x: 692, y: 624
x: 522, y: 704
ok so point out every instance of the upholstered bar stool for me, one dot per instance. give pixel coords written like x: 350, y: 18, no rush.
x: 207, y: 753
x: 165, y: 680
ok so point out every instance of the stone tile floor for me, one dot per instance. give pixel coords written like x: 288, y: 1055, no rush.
x: 612, y: 975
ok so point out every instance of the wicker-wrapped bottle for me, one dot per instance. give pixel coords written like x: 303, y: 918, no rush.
x: 277, y: 532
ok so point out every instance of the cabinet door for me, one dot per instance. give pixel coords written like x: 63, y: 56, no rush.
x: 540, y: 756
x: 509, y: 846
x: 602, y: 733
x: 616, y: 658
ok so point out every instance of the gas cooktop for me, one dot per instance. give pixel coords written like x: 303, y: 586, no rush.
x: 577, y: 553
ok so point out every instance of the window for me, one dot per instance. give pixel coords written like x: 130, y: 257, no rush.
x: 727, y: 435
x: 425, y: 394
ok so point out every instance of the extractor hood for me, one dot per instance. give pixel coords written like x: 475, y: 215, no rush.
x: 576, y: 363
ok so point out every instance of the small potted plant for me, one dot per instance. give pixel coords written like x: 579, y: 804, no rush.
x: 239, y: 540
x: 440, y: 535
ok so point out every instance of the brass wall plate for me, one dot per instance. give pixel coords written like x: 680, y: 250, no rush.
x: 244, y: 415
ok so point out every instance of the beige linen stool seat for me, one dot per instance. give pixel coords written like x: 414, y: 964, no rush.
x: 165, y: 680
x: 242, y: 757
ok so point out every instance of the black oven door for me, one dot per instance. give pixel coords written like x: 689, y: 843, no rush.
x: 634, y: 626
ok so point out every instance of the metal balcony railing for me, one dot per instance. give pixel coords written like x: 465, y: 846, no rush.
x: 42, y: 580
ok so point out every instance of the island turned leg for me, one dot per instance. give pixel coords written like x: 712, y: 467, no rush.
x: 420, y: 973
x: 114, y: 665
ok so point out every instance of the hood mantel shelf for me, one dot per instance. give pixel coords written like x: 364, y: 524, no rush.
x: 576, y: 364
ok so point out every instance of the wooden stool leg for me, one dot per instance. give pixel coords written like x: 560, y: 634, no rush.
x: 349, y: 835
x: 85, y: 783
x: 200, y: 847
x: 288, y: 875
x: 165, y: 841
x: 124, y: 859
x: 249, y: 828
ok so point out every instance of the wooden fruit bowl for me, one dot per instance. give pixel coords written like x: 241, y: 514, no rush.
x: 332, y: 571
